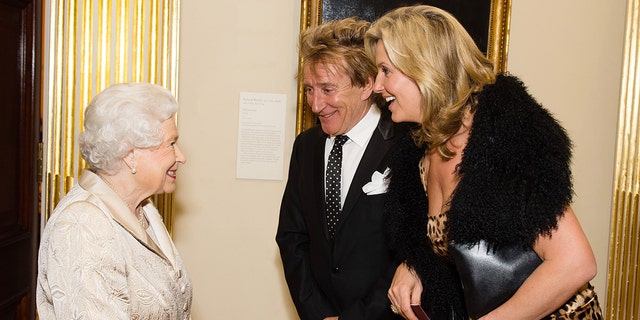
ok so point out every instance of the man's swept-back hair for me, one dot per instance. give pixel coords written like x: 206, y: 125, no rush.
x: 338, y: 43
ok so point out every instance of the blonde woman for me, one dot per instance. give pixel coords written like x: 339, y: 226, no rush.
x: 486, y: 172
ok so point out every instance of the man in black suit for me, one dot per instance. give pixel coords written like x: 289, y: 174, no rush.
x: 336, y: 258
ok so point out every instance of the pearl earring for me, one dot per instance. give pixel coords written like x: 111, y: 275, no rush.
x: 134, y: 170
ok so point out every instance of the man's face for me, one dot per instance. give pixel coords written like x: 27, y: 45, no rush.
x: 338, y: 104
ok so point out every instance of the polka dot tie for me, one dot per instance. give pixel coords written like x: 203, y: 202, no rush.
x: 332, y: 197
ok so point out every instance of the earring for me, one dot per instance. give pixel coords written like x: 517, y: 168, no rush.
x: 134, y: 170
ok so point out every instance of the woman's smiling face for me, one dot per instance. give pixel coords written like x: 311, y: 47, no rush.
x: 402, y: 92
x: 156, y: 167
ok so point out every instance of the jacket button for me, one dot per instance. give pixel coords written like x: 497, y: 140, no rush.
x: 336, y: 270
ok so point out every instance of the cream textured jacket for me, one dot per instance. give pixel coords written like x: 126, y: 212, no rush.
x: 97, y: 262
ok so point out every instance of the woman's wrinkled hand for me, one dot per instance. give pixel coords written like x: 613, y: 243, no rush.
x: 405, y: 290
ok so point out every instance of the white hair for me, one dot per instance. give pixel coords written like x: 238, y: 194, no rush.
x: 123, y: 117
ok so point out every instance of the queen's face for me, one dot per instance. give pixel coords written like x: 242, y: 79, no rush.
x: 338, y: 104
x: 400, y: 91
x: 157, y: 167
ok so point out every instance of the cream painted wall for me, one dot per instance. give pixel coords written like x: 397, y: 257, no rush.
x: 225, y: 227
x: 570, y: 55
x: 568, y: 52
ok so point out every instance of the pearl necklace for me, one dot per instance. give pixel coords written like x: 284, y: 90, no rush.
x: 142, y: 219
x: 138, y: 212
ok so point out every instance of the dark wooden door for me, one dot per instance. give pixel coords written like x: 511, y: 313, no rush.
x: 20, y: 115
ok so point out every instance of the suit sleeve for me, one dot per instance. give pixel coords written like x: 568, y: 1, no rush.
x: 293, y: 240
x: 376, y: 305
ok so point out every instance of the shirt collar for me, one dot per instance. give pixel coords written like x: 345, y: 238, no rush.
x: 118, y: 210
x: 361, y: 132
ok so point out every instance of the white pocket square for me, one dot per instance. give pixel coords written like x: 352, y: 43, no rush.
x: 378, y: 184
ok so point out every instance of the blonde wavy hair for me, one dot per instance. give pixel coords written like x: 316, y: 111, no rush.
x: 431, y: 47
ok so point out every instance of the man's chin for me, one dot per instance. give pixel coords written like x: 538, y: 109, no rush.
x: 328, y: 130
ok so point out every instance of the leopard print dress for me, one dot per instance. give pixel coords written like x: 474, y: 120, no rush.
x: 583, y: 305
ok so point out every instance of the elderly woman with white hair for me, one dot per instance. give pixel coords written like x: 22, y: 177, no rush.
x: 105, y: 252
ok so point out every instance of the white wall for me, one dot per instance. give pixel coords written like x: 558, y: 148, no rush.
x: 568, y: 52
x: 224, y: 227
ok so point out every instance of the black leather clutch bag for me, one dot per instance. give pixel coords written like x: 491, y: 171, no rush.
x: 490, y: 277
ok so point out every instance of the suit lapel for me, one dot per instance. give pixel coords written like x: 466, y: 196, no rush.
x: 118, y: 210
x: 318, y: 181
x: 376, y: 151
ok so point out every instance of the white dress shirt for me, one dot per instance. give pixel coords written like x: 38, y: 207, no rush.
x: 354, y: 148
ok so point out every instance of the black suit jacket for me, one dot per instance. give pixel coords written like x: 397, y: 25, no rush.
x: 348, y: 276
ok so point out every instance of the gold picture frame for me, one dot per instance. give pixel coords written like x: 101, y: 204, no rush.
x: 494, y: 42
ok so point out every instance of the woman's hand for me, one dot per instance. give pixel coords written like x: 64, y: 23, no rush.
x: 405, y: 290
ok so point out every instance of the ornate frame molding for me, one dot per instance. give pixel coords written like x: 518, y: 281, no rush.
x: 623, y: 287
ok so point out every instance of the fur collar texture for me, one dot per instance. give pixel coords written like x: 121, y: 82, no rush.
x: 515, y: 171
x: 515, y: 183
